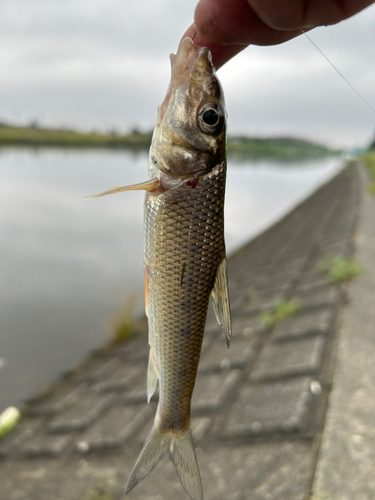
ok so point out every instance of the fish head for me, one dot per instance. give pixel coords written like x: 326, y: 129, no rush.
x: 190, y: 132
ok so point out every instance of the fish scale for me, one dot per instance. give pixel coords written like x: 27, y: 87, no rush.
x: 188, y: 240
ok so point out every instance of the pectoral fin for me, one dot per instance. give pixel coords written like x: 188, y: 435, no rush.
x: 220, y: 300
x: 150, y: 186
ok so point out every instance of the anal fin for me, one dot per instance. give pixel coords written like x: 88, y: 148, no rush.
x: 152, y: 376
x: 147, y: 289
x: 220, y: 299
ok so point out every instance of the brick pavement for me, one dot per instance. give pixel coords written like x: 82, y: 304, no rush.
x: 258, y: 408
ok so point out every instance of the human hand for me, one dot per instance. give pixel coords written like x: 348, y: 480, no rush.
x: 229, y: 26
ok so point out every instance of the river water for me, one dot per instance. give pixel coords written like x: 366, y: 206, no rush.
x: 66, y: 263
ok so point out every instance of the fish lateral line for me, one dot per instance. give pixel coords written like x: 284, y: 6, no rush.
x: 150, y: 185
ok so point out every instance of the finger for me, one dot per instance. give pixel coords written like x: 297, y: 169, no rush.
x: 220, y: 53
x: 301, y: 14
x: 223, y: 22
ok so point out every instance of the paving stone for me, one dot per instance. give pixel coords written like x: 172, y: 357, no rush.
x: 313, y: 286
x: 115, y: 427
x: 229, y: 401
x: 26, y: 429
x: 136, y: 393
x: 246, y: 327
x: 267, y: 292
x: 259, y: 304
x: 59, y: 401
x: 313, y: 279
x: 289, y: 265
x: 240, y: 281
x: 289, y: 358
x: 96, y: 370
x: 289, y: 262
x: 335, y: 248
x: 121, y: 378
x: 219, y: 357
x: 79, y: 416
x: 212, y: 328
x: 238, y: 302
x: 50, y: 446
x: 210, y: 336
x: 200, y: 427
x: 212, y: 390
x: 346, y: 462
x: 315, y: 322
x: 260, y: 263
x: 134, y: 350
x: 284, y: 407
x: 328, y: 296
x: 275, y: 281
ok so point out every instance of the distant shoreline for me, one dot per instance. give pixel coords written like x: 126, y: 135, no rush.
x: 240, y: 147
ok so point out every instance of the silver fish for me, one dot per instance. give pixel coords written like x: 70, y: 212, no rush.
x: 184, y: 254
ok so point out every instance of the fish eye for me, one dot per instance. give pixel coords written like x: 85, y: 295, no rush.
x: 211, y: 119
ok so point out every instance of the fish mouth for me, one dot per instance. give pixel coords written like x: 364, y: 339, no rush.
x: 188, y: 57
x: 190, y: 62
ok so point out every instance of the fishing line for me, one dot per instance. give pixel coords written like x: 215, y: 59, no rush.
x: 364, y: 102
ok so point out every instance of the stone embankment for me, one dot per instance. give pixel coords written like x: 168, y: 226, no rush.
x: 259, y: 410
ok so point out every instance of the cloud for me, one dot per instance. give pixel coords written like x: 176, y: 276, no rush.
x: 105, y: 63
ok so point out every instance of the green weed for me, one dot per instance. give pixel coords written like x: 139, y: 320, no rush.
x: 123, y: 322
x: 369, y: 160
x: 280, y: 311
x: 99, y: 494
x: 283, y: 148
x: 320, y: 497
x: 36, y: 136
x: 340, y: 268
x: 9, y: 420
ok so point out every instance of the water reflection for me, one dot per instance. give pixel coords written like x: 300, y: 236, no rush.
x: 65, y: 261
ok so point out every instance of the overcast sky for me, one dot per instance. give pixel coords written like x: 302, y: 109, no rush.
x: 104, y: 64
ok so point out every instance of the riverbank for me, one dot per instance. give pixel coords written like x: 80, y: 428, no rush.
x: 240, y: 146
x: 259, y: 408
x: 67, y: 264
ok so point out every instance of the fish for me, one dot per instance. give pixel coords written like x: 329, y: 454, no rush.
x: 184, y: 253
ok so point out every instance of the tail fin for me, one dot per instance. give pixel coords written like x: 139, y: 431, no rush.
x: 153, y: 451
x: 181, y: 452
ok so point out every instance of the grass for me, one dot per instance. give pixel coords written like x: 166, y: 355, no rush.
x: 282, y: 148
x: 98, y: 494
x: 239, y: 147
x: 340, y: 269
x: 35, y: 136
x: 280, y: 311
x: 123, y: 323
x: 369, y: 161
x: 320, y: 497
